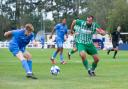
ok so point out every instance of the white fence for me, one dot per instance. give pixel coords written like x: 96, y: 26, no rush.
x: 46, y: 45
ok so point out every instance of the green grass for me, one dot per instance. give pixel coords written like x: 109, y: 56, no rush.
x: 111, y: 74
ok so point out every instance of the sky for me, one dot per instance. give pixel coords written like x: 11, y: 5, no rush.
x: 49, y: 16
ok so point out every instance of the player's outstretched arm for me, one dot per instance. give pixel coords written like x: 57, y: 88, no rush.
x: 8, y: 34
x: 101, y: 31
x: 72, y: 26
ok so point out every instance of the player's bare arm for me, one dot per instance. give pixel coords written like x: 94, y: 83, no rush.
x: 8, y: 34
x: 100, y: 31
x: 72, y: 26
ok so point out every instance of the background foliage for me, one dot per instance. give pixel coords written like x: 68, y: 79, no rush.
x: 16, y: 13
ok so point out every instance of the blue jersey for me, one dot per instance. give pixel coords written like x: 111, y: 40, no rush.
x: 42, y: 40
x: 20, y: 39
x: 61, y: 30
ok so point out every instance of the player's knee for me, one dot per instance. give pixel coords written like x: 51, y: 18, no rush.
x: 96, y: 59
x: 28, y: 56
x: 83, y: 55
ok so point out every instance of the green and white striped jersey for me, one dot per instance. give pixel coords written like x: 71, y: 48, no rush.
x: 83, y: 32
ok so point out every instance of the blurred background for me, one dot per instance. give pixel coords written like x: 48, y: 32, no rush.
x: 44, y: 14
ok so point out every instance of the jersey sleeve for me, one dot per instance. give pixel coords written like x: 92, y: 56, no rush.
x: 78, y: 22
x: 56, y: 27
x: 14, y: 32
x: 97, y: 25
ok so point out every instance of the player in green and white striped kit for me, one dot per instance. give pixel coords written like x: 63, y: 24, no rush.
x: 84, y: 41
x: 76, y: 31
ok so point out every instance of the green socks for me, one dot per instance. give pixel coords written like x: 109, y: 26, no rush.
x: 94, y: 65
x: 86, y: 65
x: 71, y: 52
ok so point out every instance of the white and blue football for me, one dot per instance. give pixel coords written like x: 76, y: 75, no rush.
x: 55, y: 70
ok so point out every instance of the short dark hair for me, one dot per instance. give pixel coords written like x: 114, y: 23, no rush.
x: 90, y: 16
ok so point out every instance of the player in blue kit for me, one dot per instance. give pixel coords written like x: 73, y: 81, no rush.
x: 42, y: 40
x: 61, y: 31
x: 17, y: 46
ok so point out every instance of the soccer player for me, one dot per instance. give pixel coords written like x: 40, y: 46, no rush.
x: 84, y: 41
x: 115, y: 41
x: 74, y: 50
x: 61, y: 31
x: 17, y: 46
x: 42, y: 40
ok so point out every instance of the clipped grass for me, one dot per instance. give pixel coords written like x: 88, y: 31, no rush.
x: 111, y: 73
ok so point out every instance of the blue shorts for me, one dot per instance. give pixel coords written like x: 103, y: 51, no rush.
x: 59, y: 43
x: 14, y: 49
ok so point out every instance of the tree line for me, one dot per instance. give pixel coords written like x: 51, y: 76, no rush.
x: 15, y: 13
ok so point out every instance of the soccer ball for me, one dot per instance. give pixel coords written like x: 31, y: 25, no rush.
x: 55, y: 70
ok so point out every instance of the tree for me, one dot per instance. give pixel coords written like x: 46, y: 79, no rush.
x: 118, y: 15
x: 99, y: 9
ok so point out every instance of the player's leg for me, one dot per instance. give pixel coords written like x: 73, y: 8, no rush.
x: 14, y: 49
x: 72, y: 52
x: 61, y: 56
x: 91, y: 50
x: 55, y: 53
x: 112, y: 49
x: 85, y: 62
x: 115, y: 48
x: 42, y: 46
x: 94, y: 64
x: 81, y: 48
x: 25, y: 65
x: 54, y: 56
x: 60, y: 46
x: 28, y: 56
x: 115, y: 53
x: 84, y: 59
x: 108, y: 51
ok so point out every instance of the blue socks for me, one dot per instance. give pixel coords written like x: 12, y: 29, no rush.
x: 25, y: 66
x: 61, y: 57
x: 30, y: 64
x: 54, y: 55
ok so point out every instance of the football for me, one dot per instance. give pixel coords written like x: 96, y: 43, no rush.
x: 55, y: 70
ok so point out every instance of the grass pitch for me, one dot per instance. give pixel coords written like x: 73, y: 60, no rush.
x: 111, y: 73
